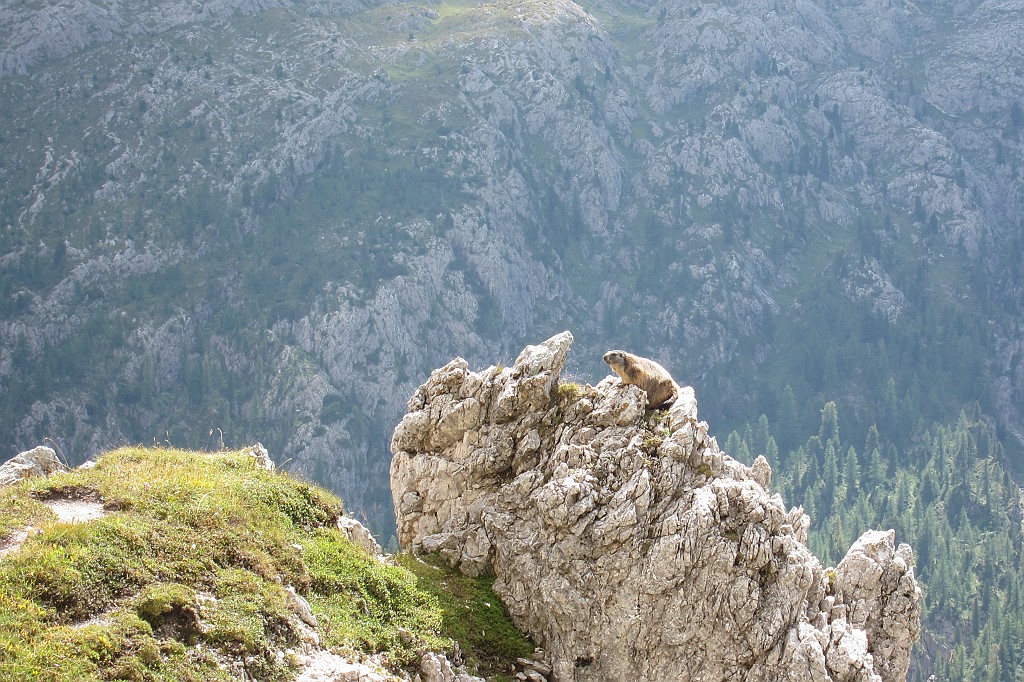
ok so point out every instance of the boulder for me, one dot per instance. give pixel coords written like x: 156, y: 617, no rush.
x: 39, y: 461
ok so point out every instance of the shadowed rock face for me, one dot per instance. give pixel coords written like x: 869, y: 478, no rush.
x: 627, y: 543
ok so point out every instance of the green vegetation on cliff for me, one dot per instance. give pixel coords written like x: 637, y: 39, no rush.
x: 189, y: 574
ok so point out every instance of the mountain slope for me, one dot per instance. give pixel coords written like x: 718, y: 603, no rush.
x: 231, y: 221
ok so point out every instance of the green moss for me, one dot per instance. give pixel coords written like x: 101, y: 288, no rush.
x: 186, y: 575
x: 472, y: 615
x: 171, y: 608
x: 83, y: 600
x: 363, y: 604
x: 247, y: 617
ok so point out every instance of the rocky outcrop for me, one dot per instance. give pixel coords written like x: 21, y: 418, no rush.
x: 627, y: 543
x: 39, y: 461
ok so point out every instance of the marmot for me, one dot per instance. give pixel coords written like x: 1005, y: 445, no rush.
x: 654, y: 379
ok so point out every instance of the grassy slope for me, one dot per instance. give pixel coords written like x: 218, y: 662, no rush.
x: 186, y: 576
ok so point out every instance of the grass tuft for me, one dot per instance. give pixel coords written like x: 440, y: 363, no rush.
x: 568, y: 392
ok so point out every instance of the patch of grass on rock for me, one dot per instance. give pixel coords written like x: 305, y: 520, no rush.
x: 472, y: 615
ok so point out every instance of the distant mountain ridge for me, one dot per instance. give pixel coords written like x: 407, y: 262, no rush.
x: 229, y: 221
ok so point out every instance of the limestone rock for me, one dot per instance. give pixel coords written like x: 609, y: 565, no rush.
x: 39, y: 461
x: 627, y: 544
x: 325, y: 666
x: 261, y: 457
x: 436, y: 667
x: 360, y: 535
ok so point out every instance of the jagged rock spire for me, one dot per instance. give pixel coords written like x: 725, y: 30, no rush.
x: 627, y: 543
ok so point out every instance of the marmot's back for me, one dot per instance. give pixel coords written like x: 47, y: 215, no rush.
x: 654, y: 379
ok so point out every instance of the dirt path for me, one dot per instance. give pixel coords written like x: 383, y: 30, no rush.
x: 67, y: 510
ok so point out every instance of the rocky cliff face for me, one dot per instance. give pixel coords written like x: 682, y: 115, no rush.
x: 627, y: 543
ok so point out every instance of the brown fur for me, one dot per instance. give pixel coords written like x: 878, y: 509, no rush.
x: 654, y: 379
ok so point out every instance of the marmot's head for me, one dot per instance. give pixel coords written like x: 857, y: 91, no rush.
x: 615, y: 358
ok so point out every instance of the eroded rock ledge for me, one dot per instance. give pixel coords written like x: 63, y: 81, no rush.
x: 627, y: 543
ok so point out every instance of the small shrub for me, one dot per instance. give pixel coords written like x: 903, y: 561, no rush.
x: 651, y: 442
x: 170, y: 609
x: 569, y: 391
x: 332, y: 409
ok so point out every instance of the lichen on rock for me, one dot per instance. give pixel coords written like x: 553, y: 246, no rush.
x: 627, y: 544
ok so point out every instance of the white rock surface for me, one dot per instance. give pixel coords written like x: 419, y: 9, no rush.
x: 436, y: 668
x: 360, y: 535
x: 628, y: 544
x: 325, y: 666
x: 39, y: 461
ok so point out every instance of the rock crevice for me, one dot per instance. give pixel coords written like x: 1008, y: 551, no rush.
x: 627, y: 543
